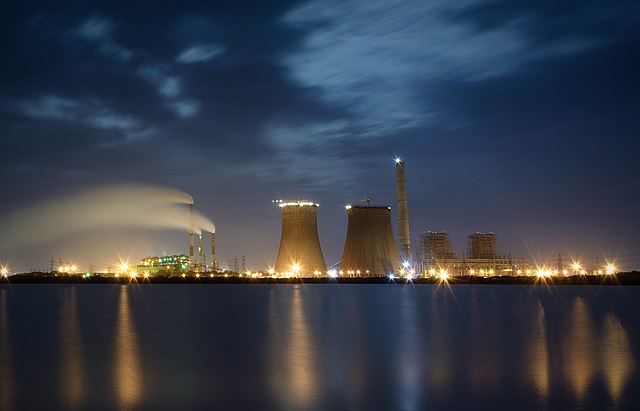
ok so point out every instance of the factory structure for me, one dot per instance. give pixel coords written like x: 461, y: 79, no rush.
x: 436, y: 255
x: 180, y: 264
x: 299, y: 253
x: 370, y: 249
x: 170, y: 264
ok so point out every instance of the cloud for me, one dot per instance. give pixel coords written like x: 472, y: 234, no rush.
x: 318, y: 154
x: 95, y: 28
x: 170, y: 87
x: 378, y: 59
x: 51, y: 108
x: 91, y: 113
x: 99, y: 30
x: 198, y: 54
x: 186, y: 108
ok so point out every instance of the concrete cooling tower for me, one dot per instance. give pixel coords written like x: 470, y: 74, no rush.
x: 369, y: 249
x: 300, y: 252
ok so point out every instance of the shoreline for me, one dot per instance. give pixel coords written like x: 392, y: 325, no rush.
x: 629, y: 278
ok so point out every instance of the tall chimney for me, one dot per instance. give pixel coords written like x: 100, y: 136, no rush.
x: 213, y: 252
x: 404, y: 239
x: 200, y: 255
x: 191, y: 261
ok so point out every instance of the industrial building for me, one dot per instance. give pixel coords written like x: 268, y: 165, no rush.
x: 482, y: 257
x: 299, y: 253
x: 170, y: 264
x: 482, y: 246
x: 483, y: 267
x: 436, y: 245
x: 369, y: 249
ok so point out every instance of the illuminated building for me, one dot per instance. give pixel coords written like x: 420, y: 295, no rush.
x: 436, y: 245
x: 369, y: 249
x: 481, y: 267
x: 169, y: 264
x: 482, y: 246
x: 482, y: 260
x: 299, y: 253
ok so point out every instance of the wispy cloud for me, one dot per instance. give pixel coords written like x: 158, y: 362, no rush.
x: 314, y: 153
x: 50, y: 107
x: 378, y: 59
x: 93, y: 114
x: 198, y: 54
x: 99, y: 30
x: 186, y: 108
x: 170, y: 87
x: 95, y: 28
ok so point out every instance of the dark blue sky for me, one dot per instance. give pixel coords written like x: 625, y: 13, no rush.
x: 518, y: 117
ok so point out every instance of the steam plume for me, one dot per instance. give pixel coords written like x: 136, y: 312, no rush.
x: 121, y: 206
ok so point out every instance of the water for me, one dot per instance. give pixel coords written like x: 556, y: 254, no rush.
x: 318, y: 347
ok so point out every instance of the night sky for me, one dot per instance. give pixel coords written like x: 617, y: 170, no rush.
x: 517, y: 117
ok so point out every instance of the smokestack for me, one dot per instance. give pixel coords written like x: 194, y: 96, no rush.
x: 300, y: 251
x: 191, y: 260
x: 213, y: 252
x: 369, y: 249
x: 404, y: 239
x: 200, y: 256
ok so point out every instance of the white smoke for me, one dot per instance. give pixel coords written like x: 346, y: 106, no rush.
x: 121, y: 206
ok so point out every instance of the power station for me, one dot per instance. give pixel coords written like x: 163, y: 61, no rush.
x: 299, y: 253
x: 369, y: 248
x: 199, y: 265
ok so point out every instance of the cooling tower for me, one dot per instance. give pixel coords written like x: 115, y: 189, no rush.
x: 404, y: 239
x: 369, y: 249
x: 300, y: 252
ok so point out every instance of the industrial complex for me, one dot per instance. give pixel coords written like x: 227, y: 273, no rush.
x: 370, y: 249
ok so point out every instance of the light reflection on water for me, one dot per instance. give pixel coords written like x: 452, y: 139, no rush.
x: 292, y: 360
x: 128, y: 372
x: 6, y: 363
x: 410, y: 354
x: 578, y: 348
x: 485, y: 340
x: 538, y: 354
x: 617, y: 358
x: 72, y: 370
x: 308, y: 347
x: 441, y: 362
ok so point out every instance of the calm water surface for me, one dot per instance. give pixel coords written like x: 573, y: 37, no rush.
x: 318, y: 347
